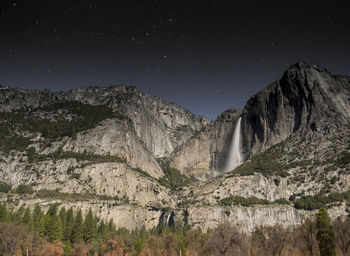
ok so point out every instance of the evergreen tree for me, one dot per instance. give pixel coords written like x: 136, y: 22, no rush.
x: 26, y: 216
x: 58, y: 229
x: 77, y: 233
x: 28, y: 219
x: 89, y: 227
x: 37, y: 211
x: 52, y: 211
x: 102, y: 229
x: 53, y: 228
x: 325, y: 234
x: 39, y: 225
x: 16, y: 217
x: 67, y: 249
x: 68, y: 227
x: 111, y: 226
x: 37, y: 216
x: 141, y: 240
x: 63, y: 215
x: 4, y: 214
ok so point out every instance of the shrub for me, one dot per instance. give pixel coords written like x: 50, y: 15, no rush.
x: 173, y: 178
x: 75, y: 176
x: 320, y: 200
x: 5, y: 188
x: 139, y: 170
x: 266, y: 163
x: 343, y: 160
x: 281, y: 201
x: 243, y: 201
x: 88, y: 116
x: 24, y: 189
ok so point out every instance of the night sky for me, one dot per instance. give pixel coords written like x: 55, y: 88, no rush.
x: 207, y: 56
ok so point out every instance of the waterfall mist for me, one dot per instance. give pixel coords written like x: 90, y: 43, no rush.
x: 234, y: 155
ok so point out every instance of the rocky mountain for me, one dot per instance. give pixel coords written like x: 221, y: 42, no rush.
x: 143, y: 161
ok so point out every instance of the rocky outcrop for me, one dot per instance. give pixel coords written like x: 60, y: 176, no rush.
x: 161, y: 126
x: 306, y: 99
x: 205, y: 154
x: 115, y: 137
x: 247, y: 218
x: 307, y: 102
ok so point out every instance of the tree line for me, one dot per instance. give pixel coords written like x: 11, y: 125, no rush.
x: 60, y: 231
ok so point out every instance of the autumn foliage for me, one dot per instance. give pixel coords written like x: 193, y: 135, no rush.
x: 66, y: 232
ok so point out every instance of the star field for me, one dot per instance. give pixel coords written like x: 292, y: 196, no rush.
x: 207, y: 56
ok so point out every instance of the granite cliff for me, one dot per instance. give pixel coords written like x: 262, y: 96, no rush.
x: 133, y: 157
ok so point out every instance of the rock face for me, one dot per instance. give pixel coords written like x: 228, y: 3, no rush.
x: 307, y: 102
x: 114, y: 137
x: 205, y: 154
x: 306, y: 99
x: 160, y: 125
x: 295, y: 140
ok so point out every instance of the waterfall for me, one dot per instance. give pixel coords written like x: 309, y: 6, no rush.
x: 234, y: 156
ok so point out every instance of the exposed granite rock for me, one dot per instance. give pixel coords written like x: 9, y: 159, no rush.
x: 115, y: 137
x: 205, y: 154
x: 247, y: 218
x: 305, y: 116
x: 306, y: 99
x: 161, y: 126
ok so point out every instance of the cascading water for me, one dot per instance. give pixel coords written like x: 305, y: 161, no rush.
x: 234, y: 155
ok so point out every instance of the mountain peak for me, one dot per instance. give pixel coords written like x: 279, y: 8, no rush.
x: 306, y: 66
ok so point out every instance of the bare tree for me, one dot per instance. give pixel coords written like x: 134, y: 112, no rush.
x: 11, y: 237
x: 270, y: 239
x: 342, y: 231
x: 306, y: 232
x: 225, y: 240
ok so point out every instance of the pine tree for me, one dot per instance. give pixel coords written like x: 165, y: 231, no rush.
x: 52, y: 211
x: 77, y: 233
x: 111, y: 226
x: 28, y: 219
x: 63, y: 215
x: 67, y: 249
x: 37, y: 214
x: 89, y: 227
x: 102, y: 229
x: 26, y: 216
x: 4, y: 214
x: 39, y: 225
x: 58, y: 229
x: 16, y: 217
x: 141, y: 240
x: 325, y: 234
x: 68, y: 227
x: 53, y: 228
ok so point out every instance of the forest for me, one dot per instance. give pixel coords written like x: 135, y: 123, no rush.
x: 60, y: 231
